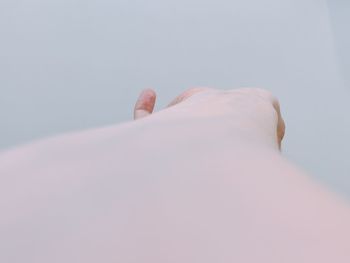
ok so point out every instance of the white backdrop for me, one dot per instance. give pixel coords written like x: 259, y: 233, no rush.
x: 68, y: 65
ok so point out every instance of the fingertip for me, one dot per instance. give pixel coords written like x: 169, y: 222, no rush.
x: 145, y: 103
x: 148, y: 92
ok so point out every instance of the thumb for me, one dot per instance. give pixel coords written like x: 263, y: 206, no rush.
x: 145, y: 104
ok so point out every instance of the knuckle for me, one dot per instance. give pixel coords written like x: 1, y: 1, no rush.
x: 262, y: 93
x: 194, y: 90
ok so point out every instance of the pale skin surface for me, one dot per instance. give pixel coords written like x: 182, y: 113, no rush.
x: 200, y: 181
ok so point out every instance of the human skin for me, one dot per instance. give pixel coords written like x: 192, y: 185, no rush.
x: 200, y: 181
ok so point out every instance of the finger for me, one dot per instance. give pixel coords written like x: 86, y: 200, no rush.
x: 268, y: 96
x: 145, y: 104
x: 185, y: 95
x: 281, y: 126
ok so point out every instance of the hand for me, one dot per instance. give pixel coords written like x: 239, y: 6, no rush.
x: 256, y: 101
x: 145, y: 103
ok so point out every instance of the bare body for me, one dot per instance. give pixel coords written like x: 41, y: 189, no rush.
x: 201, y: 181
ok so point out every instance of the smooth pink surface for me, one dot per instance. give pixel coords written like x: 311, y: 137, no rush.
x: 202, y: 181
